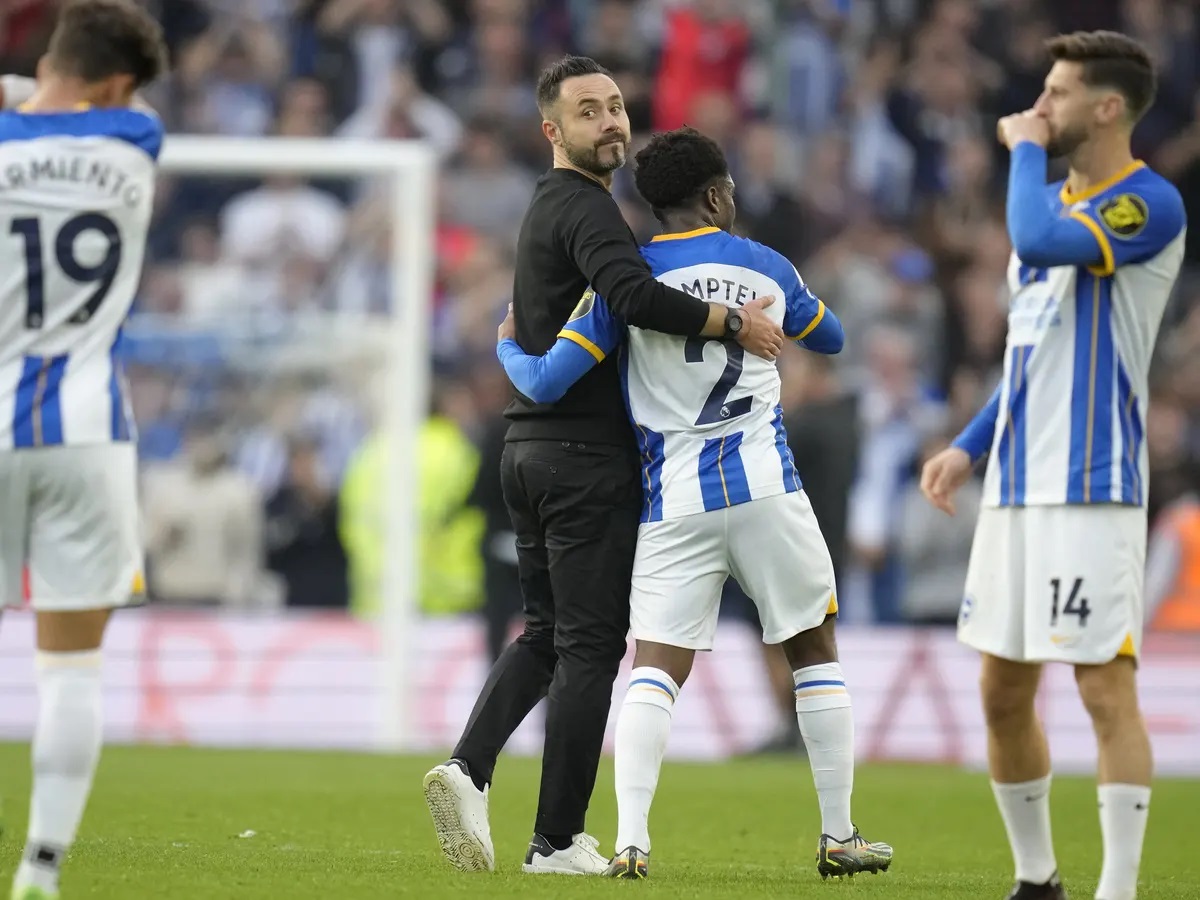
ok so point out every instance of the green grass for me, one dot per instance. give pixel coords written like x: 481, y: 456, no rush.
x: 166, y: 823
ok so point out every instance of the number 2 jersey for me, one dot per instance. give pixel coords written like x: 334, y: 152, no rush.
x: 705, y: 412
x: 76, y: 191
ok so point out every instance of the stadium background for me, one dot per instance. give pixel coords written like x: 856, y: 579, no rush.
x: 861, y: 139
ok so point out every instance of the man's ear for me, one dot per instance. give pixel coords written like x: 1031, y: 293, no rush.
x: 552, y: 132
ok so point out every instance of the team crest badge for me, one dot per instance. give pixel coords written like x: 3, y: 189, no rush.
x: 1124, y: 215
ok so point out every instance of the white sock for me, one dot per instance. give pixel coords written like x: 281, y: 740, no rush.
x: 643, y: 727
x: 1124, y: 809
x: 66, y: 747
x: 1025, y: 808
x: 827, y: 724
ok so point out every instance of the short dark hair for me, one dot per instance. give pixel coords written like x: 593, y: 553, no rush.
x: 550, y: 81
x: 1110, y: 60
x: 674, y: 168
x: 96, y: 39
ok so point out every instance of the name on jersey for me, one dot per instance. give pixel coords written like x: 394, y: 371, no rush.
x: 718, y: 289
x: 103, y: 177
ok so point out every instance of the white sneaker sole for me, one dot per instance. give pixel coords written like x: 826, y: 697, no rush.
x: 465, y: 850
x: 530, y: 869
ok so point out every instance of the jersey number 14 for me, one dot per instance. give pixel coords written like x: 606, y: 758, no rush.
x: 102, y: 274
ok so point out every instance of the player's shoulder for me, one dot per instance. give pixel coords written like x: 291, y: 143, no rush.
x: 1142, y: 204
x: 666, y: 253
x: 139, y: 128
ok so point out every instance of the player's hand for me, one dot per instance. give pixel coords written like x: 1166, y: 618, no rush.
x: 508, y: 328
x: 760, y: 334
x: 943, y: 475
x: 1024, y: 126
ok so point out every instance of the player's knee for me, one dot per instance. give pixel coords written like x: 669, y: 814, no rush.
x: 1108, y: 693
x: 1008, y: 692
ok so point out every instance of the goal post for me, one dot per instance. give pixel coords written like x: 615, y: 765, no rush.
x: 412, y: 167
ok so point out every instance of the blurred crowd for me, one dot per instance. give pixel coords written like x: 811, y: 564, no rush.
x: 861, y: 137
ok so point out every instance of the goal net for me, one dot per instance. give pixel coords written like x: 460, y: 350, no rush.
x: 282, y: 325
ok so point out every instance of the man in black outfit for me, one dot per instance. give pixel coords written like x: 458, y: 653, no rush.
x: 572, y: 483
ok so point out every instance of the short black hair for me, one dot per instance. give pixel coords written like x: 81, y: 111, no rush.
x: 675, y: 167
x: 1113, y: 60
x: 549, y: 84
x: 96, y: 39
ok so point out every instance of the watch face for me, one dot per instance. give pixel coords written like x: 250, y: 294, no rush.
x: 735, y: 321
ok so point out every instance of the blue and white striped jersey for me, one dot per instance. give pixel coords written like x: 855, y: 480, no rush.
x: 705, y: 413
x: 76, y: 191
x: 1071, y: 420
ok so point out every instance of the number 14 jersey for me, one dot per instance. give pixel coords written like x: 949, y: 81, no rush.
x: 705, y: 413
x: 76, y: 191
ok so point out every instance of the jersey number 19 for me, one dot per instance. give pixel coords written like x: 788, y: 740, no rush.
x: 102, y: 274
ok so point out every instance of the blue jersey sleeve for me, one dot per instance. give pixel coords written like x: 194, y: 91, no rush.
x: 976, y: 438
x: 589, y: 336
x: 1127, y: 225
x: 807, y: 320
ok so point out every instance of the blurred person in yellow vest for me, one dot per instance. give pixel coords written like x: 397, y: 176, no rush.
x: 1173, y: 568
x: 450, y: 531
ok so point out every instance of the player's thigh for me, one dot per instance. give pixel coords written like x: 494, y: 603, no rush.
x: 589, y: 510
x: 1084, y: 582
x: 678, y: 572
x: 14, y: 527
x: 779, y: 556
x: 84, y: 542
x: 992, y: 616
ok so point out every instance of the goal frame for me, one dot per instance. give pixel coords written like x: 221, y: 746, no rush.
x: 412, y: 166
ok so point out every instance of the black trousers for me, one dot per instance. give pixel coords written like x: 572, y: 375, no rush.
x: 575, y: 510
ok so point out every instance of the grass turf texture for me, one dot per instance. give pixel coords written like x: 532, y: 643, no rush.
x: 165, y: 823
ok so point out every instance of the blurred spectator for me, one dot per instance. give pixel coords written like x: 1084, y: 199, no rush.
x: 203, y: 525
x: 301, y: 532
x: 934, y: 548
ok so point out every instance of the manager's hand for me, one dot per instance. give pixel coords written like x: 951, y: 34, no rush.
x: 760, y: 334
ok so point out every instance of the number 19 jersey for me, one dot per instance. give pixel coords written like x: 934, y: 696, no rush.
x: 76, y: 191
x: 705, y: 413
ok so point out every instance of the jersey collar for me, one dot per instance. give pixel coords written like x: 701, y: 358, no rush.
x: 682, y: 235
x: 1069, y: 199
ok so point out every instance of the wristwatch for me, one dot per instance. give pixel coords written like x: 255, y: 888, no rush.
x: 735, y: 322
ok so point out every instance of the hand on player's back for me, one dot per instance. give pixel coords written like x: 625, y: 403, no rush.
x: 761, y: 335
x: 508, y: 328
x: 943, y: 475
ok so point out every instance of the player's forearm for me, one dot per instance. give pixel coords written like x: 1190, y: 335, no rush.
x: 545, y: 379
x: 976, y: 438
x: 1039, y: 235
x: 15, y: 90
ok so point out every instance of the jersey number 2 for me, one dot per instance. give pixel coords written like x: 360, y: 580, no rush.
x: 102, y: 274
x: 718, y: 407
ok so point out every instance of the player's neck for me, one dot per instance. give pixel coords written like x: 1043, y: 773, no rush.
x: 59, y: 93
x: 1096, y: 163
x: 561, y: 162
x: 683, y: 223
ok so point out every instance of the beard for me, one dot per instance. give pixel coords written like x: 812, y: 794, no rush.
x: 599, y: 159
x: 1065, y: 142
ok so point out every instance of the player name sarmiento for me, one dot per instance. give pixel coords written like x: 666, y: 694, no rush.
x: 719, y: 288
x: 102, y: 176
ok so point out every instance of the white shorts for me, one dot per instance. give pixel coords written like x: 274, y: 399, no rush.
x: 773, y: 547
x: 1056, y: 584
x: 70, y: 514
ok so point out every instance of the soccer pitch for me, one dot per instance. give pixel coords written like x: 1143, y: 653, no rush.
x: 189, y: 823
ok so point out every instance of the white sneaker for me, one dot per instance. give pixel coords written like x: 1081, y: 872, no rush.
x: 460, y: 815
x: 581, y: 858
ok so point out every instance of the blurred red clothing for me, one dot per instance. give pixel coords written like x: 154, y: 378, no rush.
x: 698, y: 57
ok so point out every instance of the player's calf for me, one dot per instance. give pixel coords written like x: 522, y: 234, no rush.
x: 1109, y: 693
x: 643, y: 727
x: 66, y: 743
